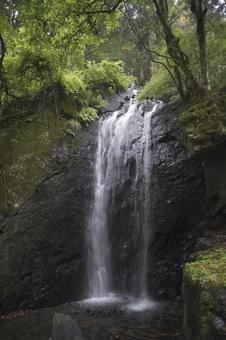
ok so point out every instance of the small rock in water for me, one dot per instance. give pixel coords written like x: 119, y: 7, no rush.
x: 218, y: 323
x: 65, y: 328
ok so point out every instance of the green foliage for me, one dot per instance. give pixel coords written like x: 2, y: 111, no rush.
x: 84, y: 88
x: 28, y: 73
x: 107, y: 75
x: 73, y: 126
x: 160, y: 86
x: 204, y: 123
x: 216, y: 48
x: 184, y: 28
x: 87, y: 115
x: 73, y: 82
x: 44, y: 48
x: 70, y: 43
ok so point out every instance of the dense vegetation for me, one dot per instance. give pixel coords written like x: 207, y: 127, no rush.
x: 44, y: 53
x: 83, y: 49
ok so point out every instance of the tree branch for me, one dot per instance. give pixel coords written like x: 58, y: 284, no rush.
x: 101, y: 10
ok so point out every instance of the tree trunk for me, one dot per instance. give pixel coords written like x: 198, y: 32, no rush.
x: 3, y: 83
x: 2, y: 56
x: 200, y: 15
x: 182, y: 70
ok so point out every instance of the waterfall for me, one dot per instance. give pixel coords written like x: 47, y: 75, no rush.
x: 110, y: 168
x: 142, y: 202
x: 111, y: 137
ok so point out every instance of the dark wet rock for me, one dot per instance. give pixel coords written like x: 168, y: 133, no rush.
x: 205, y: 243
x: 115, y: 101
x: 43, y: 249
x: 215, y: 169
x: 179, y: 203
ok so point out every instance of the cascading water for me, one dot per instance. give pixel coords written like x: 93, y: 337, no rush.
x: 110, y: 167
x: 142, y: 208
x: 111, y: 137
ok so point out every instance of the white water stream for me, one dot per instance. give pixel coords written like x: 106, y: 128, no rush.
x: 109, y: 165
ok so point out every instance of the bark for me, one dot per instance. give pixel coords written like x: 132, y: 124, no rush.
x: 182, y: 70
x: 2, y: 56
x: 3, y: 84
x: 179, y: 85
x: 199, y: 12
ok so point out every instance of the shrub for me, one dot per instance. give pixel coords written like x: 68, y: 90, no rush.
x: 87, y: 115
x: 73, y: 82
x: 28, y: 73
x: 107, y: 75
x: 160, y: 86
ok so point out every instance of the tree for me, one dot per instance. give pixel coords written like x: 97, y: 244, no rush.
x: 186, y: 83
x: 48, y: 38
x: 199, y: 9
x: 2, y: 56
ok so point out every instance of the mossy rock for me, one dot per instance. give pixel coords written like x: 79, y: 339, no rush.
x: 208, y: 268
x: 204, y: 292
x: 204, y: 123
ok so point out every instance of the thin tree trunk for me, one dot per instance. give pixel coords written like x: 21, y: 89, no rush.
x: 3, y: 83
x: 200, y: 15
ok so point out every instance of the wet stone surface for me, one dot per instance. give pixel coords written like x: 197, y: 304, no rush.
x: 108, y: 323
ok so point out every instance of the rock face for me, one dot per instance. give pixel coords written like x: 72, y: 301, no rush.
x: 215, y: 169
x: 179, y: 203
x: 43, y: 244
x: 43, y: 250
x: 204, y: 288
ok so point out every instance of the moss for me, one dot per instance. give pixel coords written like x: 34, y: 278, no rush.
x: 207, y: 268
x: 204, y: 291
x: 206, y: 306
x: 68, y: 105
x: 204, y: 123
x: 26, y: 156
x: 206, y: 300
x: 73, y: 126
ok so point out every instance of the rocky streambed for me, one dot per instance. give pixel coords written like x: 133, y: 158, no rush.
x: 81, y: 322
